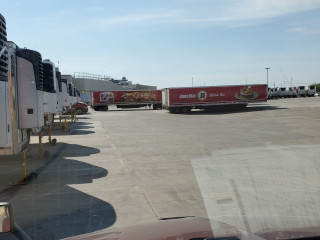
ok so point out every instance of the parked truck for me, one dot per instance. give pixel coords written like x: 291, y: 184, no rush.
x: 311, y: 91
x: 283, y: 92
x: 292, y: 92
x: 101, y: 100
x: 302, y: 91
x: 183, y: 100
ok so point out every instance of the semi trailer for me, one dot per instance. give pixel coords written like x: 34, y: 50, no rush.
x: 183, y: 100
x: 23, y: 98
x: 101, y: 100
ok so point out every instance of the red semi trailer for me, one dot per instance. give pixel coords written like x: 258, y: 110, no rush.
x: 183, y: 100
x: 100, y: 100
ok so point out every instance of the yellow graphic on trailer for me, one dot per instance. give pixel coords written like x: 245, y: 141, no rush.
x: 202, y: 95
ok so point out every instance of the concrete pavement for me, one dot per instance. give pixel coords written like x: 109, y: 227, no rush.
x: 119, y: 168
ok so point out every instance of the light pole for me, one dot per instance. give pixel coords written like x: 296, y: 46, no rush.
x: 267, y: 75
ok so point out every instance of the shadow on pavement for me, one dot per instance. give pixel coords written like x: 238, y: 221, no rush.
x: 50, y: 207
x: 83, y: 123
x: 76, y: 131
x: 222, y: 110
x: 78, y: 117
x: 82, y: 127
x: 73, y: 128
x: 130, y: 109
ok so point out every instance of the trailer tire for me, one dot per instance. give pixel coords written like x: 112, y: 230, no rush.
x: 54, y: 142
x: 79, y: 111
x: 186, y: 109
x: 243, y: 106
x: 177, y: 110
x: 157, y: 106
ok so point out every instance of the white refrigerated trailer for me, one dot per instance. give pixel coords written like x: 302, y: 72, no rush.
x: 23, y: 97
x: 50, y: 100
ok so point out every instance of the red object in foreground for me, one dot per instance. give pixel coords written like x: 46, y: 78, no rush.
x: 194, y: 228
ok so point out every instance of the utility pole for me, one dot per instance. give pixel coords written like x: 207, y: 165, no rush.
x: 267, y: 68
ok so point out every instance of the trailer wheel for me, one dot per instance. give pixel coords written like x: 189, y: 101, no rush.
x: 186, y: 109
x: 79, y: 111
x: 54, y: 142
x: 176, y: 110
x: 242, y: 106
x: 156, y: 106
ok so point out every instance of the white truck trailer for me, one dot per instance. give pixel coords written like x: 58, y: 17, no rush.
x: 311, y: 91
x: 50, y: 100
x: 302, y: 91
x: 23, y: 98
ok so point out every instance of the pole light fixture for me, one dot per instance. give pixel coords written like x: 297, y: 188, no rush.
x: 267, y: 75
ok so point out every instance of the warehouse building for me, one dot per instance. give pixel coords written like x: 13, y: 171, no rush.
x: 86, y: 82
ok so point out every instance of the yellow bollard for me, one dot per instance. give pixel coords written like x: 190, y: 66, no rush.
x: 23, y: 164
x: 65, y: 124
x: 49, y: 133
x: 40, y: 144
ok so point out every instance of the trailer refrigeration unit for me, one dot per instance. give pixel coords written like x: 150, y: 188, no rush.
x: 78, y: 96
x: 72, y: 99
x: 75, y: 95
x: 311, y: 91
x: 64, y: 96
x: 283, y: 92
x: 302, y: 91
x: 4, y: 99
x: 125, y: 99
x: 269, y: 93
x: 70, y: 93
x: 59, y: 91
x: 274, y: 93
x: 183, y: 100
x: 25, y: 97
x: 292, y: 92
x: 50, y: 102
